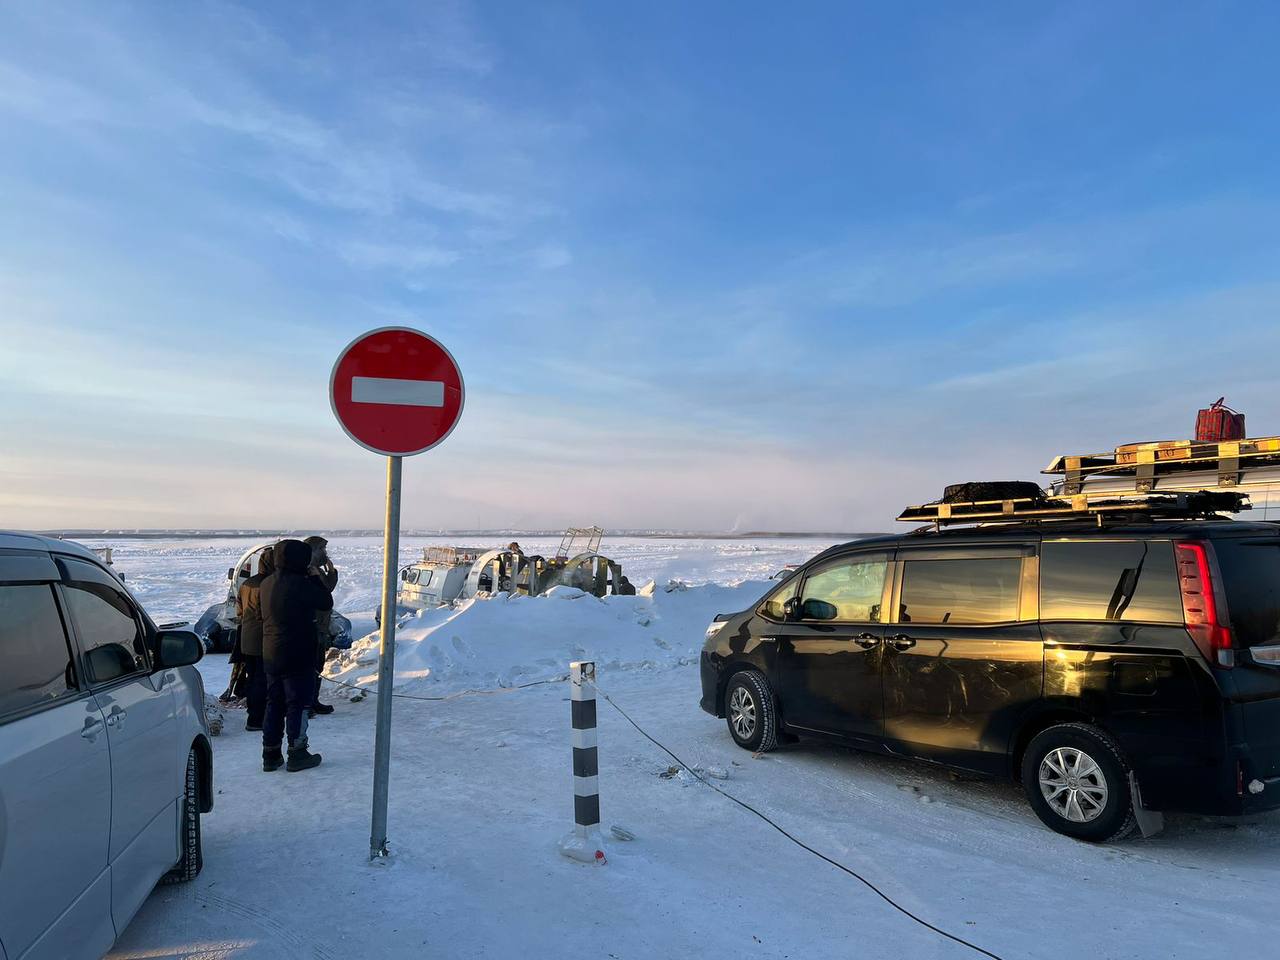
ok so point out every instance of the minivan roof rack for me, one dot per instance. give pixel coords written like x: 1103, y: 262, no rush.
x: 1172, y: 466
x: 1180, y: 506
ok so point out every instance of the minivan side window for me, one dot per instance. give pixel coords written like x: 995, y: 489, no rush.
x: 849, y: 590
x: 33, y: 648
x: 1121, y: 580
x: 110, y: 635
x: 960, y: 591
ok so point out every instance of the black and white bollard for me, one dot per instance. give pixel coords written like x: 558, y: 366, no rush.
x: 585, y: 843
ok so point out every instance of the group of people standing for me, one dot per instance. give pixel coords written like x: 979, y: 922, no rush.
x: 284, y: 636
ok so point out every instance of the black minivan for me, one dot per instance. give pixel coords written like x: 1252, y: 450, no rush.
x: 1112, y: 668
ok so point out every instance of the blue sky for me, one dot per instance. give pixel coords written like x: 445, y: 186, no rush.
x: 712, y: 266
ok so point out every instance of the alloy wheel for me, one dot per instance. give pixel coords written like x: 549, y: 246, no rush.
x: 742, y: 713
x: 1073, y: 784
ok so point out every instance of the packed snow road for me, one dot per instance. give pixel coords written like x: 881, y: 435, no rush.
x: 481, y: 792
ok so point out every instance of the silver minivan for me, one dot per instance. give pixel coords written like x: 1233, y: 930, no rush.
x: 105, y: 760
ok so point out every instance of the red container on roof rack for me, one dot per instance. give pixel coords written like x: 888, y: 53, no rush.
x: 1218, y: 422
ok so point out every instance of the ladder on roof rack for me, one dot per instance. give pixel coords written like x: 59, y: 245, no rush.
x: 1177, y: 465
x: 1185, y: 506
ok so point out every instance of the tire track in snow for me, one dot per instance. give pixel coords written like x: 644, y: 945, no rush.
x: 299, y: 945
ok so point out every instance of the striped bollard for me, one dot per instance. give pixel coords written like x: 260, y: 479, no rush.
x: 585, y: 843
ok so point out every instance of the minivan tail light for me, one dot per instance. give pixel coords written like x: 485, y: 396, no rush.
x: 1203, y: 609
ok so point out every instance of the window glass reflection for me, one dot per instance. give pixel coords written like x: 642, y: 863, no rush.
x: 960, y: 591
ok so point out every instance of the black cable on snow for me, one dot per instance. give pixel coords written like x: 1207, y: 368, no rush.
x: 798, y: 842
x: 701, y: 779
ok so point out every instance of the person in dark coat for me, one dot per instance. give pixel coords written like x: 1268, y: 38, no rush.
x: 247, y: 602
x: 289, y: 599
x: 323, y: 569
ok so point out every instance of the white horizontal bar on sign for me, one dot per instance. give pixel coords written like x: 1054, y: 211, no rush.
x: 400, y: 393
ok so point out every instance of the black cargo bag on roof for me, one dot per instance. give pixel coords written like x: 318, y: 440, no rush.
x: 978, y: 491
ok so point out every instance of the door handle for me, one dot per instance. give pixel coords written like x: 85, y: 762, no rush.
x: 92, y: 727
x: 116, y: 717
x: 867, y: 641
x: 901, y: 641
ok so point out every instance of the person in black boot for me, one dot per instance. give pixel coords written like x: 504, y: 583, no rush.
x: 247, y: 600
x: 272, y: 759
x: 300, y: 758
x: 289, y: 599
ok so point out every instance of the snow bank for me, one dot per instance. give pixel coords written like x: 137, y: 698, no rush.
x: 504, y: 641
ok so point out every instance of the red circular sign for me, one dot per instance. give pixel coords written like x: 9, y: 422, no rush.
x: 396, y: 391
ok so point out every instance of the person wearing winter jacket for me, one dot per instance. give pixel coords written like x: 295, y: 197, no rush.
x: 323, y: 569
x: 289, y: 600
x: 247, y: 603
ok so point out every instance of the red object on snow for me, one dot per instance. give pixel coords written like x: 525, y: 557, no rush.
x: 1218, y: 422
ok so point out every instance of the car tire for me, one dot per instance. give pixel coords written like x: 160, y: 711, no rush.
x: 192, y: 860
x: 750, y: 712
x: 1077, y: 780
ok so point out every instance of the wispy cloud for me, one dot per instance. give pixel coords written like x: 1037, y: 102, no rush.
x: 405, y: 259
x: 551, y: 256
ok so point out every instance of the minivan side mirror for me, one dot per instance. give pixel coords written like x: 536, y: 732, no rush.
x: 791, y: 609
x: 818, y: 610
x: 177, y: 648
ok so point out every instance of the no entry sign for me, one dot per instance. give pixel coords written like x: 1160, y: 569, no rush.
x: 396, y: 391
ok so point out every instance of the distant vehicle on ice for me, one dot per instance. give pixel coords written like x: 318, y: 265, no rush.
x: 218, y: 626
x: 447, y: 574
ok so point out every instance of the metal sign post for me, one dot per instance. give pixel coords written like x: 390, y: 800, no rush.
x: 386, y: 663
x: 397, y: 392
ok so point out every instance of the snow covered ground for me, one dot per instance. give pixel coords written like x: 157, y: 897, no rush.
x: 481, y: 791
x: 178, y: 579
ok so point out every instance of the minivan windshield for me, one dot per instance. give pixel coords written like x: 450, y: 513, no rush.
x: 1251, y: 576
